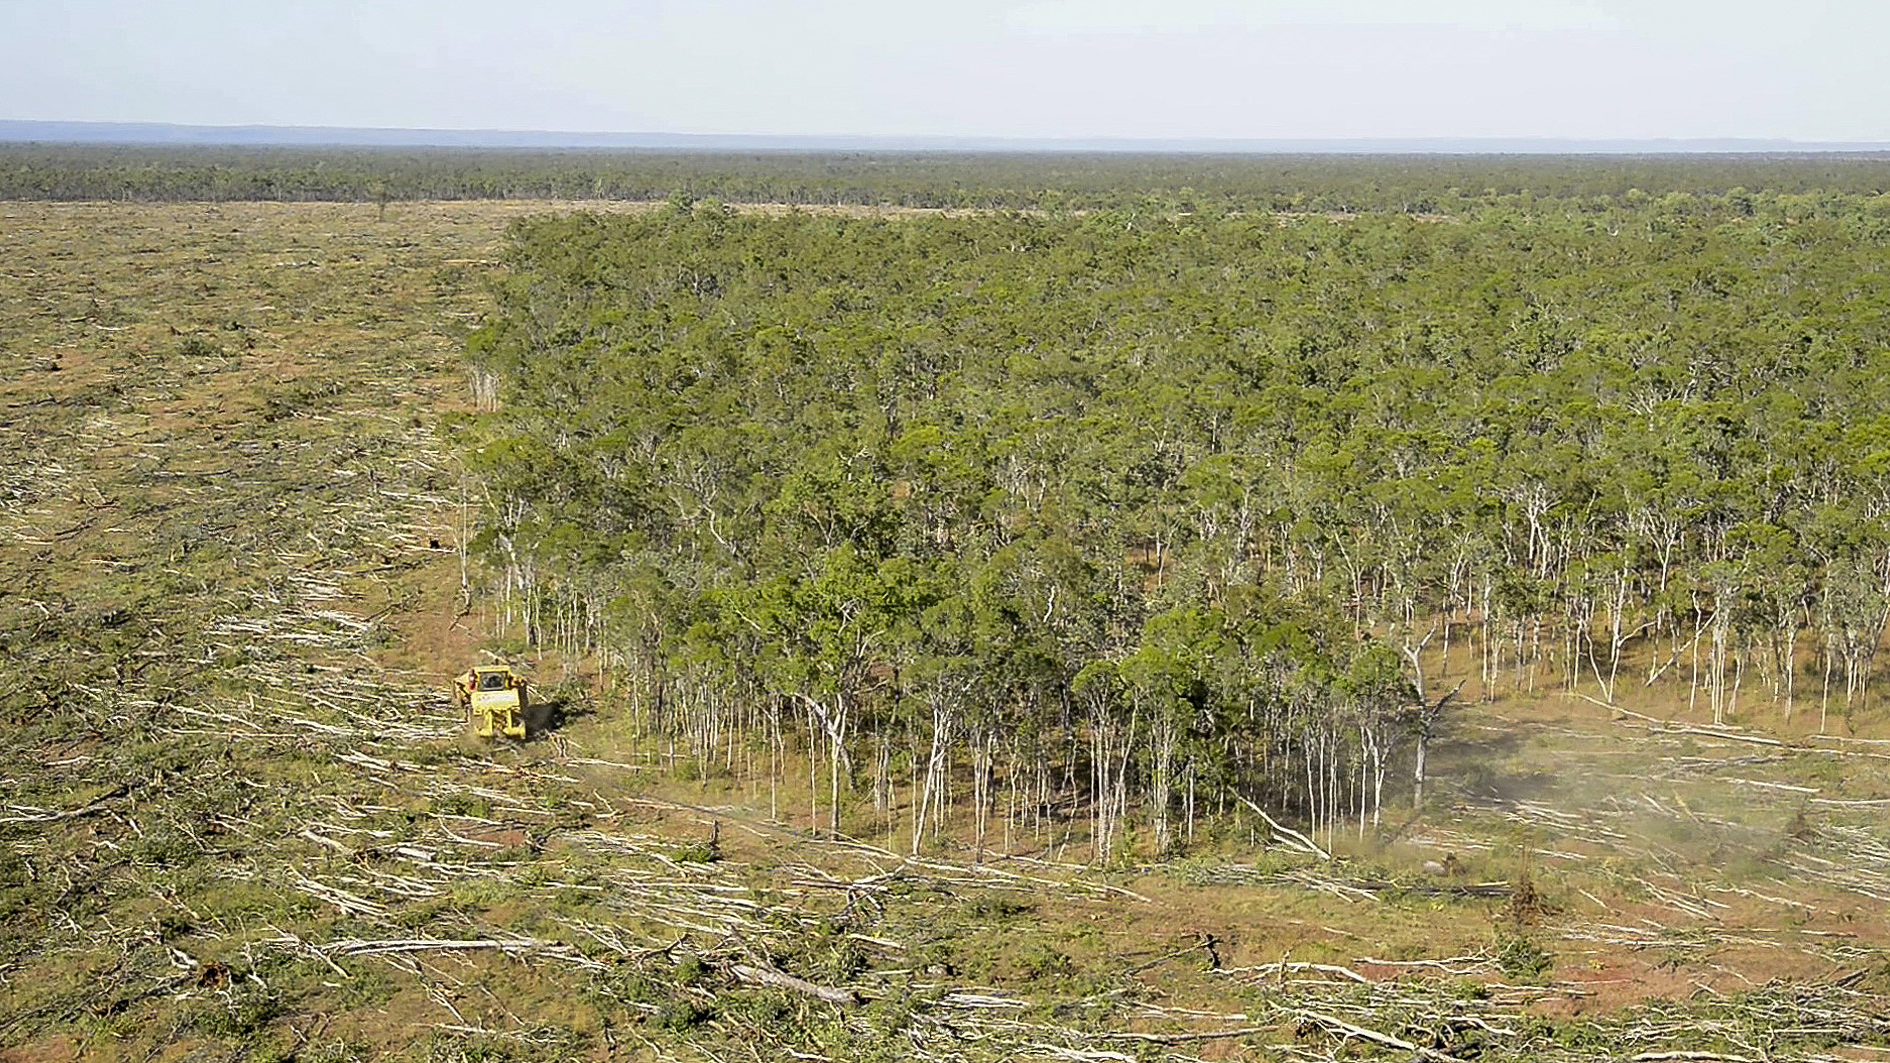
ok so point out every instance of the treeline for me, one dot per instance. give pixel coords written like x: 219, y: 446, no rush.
x: 1131, y: 518
x: 1208, y: 184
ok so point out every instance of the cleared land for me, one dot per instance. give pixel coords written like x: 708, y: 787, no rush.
x: 242, y: 819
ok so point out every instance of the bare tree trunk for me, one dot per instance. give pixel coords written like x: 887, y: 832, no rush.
x: 981, y: 772
x: 1429, y: 716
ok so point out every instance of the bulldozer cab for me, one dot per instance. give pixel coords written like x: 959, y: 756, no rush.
x: 494, y: 700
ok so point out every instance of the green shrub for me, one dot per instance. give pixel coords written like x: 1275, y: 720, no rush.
x: 197, y: 347
x: 1522, y: 960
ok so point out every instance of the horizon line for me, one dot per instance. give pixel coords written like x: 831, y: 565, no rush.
x: 159, y: 134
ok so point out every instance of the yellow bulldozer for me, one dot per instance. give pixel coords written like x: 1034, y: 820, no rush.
x: 494, y: 700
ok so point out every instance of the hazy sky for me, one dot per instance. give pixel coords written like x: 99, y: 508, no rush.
x: 1806, y: 70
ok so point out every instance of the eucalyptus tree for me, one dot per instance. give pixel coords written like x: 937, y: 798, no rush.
x: 1117, y: 512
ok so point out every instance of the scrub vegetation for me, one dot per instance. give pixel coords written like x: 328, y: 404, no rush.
x: 1213, y: 184
x: 981, y: 636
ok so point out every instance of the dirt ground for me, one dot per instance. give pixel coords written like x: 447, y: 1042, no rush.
x: 246, y: 819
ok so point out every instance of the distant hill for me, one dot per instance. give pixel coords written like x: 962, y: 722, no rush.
x: 18, y: 131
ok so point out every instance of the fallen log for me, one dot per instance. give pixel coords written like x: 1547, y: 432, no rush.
x: 1183, y: 1038
x: 1287, y: 832
x: 1341, y: 1026
x: 782, y: 980
x: 38, y: 815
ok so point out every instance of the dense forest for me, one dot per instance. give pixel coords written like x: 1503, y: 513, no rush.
x: 1135, y: 518
x: 1209, y: 184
